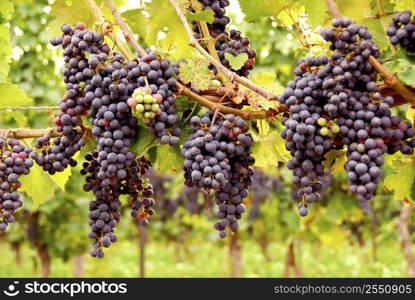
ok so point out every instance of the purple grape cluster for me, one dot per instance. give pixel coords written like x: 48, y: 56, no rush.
x: 15, y: 161
x: 76, y: 42
x: 402, y: 30
x: 218, y: 158
x: 114, y: 169
x: 159, y: 76
x: 220, y: 19
x: 334, y: 102
x: 234, y: 43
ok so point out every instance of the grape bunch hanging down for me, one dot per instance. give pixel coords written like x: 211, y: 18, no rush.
x: 402, y: 30
x: 101, y: 83
x: 76, y: 42
x: 15, y: 161
x: 334, y: 102
x: 231, y: 42
x: 220, y: 19
x: 218, y: 158
x: 159, y: 76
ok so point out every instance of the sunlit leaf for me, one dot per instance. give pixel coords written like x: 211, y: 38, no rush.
x: 402, y: 180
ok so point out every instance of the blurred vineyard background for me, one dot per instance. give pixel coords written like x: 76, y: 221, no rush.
x: 337, y: 239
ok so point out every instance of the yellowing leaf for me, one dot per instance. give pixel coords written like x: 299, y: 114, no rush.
x: 334, y: 237
x: 264, y: 78
x: 254, y: 9
x: 169, y: 159
x: 70, y: 12
x: 410, y: 115
x: 206, y: 15
x: 12, y: 96
x: 269, y: 149
x: 138, y: 23
x: 196, y: 71
x: 6, y: 10
x: 37, y: 185
x: 163, y: 18
x: 236, y: 62
x: 335, y: 160
x: 316, y: 11
x: 402, y: 180
x: 61, y: 178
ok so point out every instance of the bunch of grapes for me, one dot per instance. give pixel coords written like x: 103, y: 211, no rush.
x: 334, y: 102
x: 231, y: 42
x: 159, y: 76
x: 15, y: 160
x: 402, y: 30
x: 234, y: 44
x: 220, y: 19
x: 218, y: 158
x: 145, y: 104
x: 76, y: 42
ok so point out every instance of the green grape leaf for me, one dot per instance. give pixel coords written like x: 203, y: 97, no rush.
x: 5, y: 52
x: 38, y: 185
x: 407, y: 75
x: 238, y: 61
x: 262, y: 8
x: 206, y: 15
x: 144, y: 141
x: 137, y: 21
x: 196, y: 72
x: 6, y: 10
x: 61, y: 178
x: 402, y: 180
x: 264, y: 78
x: 404, y: 5
x: 404, y: 68
x: 12, y: 96
x: 70, y: 12
x: 19, y: 118
x: 335, y: 160
x: 163, y: 18
x: 348, y: 9
x: 268, y: 149
x: 316, y: 11
x: 169, y: 159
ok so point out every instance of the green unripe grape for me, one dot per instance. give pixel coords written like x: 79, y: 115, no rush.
x: 324, y: 131
x: 82, y: 84
x: 155, y: 107
x: 322, y: 122
x: 139, y: 99
x: 361, y: 148
x: 147, y: 115
x: 148, y: 99
x: 152, y: 115
x: 139, y: 108
x: 147, y: 107
x: 335, y: 128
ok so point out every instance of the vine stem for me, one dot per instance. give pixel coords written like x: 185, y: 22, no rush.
x: 30, y: 108
x: 390, y: 79
x: 23, y: 133
x: 128, y: 35
x: 232, y: 76
x: 245, y: 114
